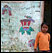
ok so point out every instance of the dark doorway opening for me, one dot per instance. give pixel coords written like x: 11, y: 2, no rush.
x: 47, y: 17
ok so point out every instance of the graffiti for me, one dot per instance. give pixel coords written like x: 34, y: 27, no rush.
x: 26, y: 25
x: 31, y: 43
x: 6, y: 9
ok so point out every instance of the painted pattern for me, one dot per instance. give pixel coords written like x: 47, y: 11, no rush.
x: 25, y: 25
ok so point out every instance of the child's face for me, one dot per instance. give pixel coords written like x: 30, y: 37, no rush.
x: 44, y: 28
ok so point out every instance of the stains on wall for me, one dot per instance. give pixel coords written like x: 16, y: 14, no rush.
x: 11, y: 39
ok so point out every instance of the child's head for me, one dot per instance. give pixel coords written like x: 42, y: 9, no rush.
x: 44, y: 27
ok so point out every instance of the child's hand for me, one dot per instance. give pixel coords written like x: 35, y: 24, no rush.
x: 48, y: 51
x: 35, y: 50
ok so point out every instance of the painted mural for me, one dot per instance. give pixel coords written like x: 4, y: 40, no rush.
x: 20, y: 23
x: 25, y: 25
x: 6, y: 9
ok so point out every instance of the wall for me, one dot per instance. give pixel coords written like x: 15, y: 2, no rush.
x: 11, y: 39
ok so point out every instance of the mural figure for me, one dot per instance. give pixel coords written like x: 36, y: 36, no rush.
x: 31, y: 43
x: 6, y: 9
x: 26, y: 25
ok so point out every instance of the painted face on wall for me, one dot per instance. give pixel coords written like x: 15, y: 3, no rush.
x: 26, y: 25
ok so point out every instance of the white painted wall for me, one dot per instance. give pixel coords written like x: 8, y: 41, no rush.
x: 15, y: 39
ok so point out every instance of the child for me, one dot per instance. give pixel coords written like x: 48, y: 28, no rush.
x: 43, y: 38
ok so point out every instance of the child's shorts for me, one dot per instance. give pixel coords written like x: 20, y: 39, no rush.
x: 45, y: 51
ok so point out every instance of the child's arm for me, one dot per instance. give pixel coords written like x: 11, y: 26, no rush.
x: 36, y: 41
x: 49, y: 37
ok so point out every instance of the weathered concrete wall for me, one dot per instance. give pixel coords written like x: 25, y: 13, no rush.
x: 11, y: 39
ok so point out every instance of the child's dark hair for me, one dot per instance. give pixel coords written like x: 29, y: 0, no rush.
x: 45, y: 24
